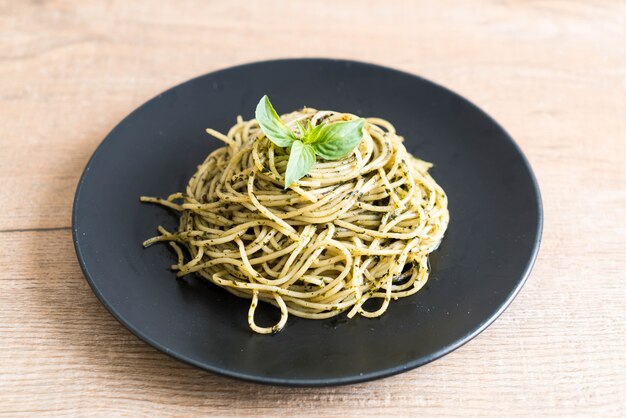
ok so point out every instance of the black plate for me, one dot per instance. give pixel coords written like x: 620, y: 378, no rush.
x: 485, y: 258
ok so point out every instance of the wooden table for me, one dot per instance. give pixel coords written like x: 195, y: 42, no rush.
x: 552, y: 72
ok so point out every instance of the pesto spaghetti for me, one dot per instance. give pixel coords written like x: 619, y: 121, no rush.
x: 349, y: 236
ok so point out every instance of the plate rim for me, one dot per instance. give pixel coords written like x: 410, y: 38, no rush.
x: 322, y: 382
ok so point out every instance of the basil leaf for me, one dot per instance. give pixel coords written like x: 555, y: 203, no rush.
x: 271, y: 125
x: 337, y: 140
x: 313, y: 133
x: 301, y: 159
x: 301, y: 128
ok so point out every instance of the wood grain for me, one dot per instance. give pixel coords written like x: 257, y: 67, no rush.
x: 553, y: 73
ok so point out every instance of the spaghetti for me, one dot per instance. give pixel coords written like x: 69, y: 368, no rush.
x: 350, y: 236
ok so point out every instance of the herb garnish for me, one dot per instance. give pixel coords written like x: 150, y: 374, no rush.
x: 328, y: 141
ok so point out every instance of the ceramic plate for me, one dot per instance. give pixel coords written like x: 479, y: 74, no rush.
x: 483, y: 261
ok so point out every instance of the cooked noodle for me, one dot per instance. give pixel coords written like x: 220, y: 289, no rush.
x: 352, y: 230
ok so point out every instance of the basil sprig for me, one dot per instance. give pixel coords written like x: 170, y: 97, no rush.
x: 330, y: 141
